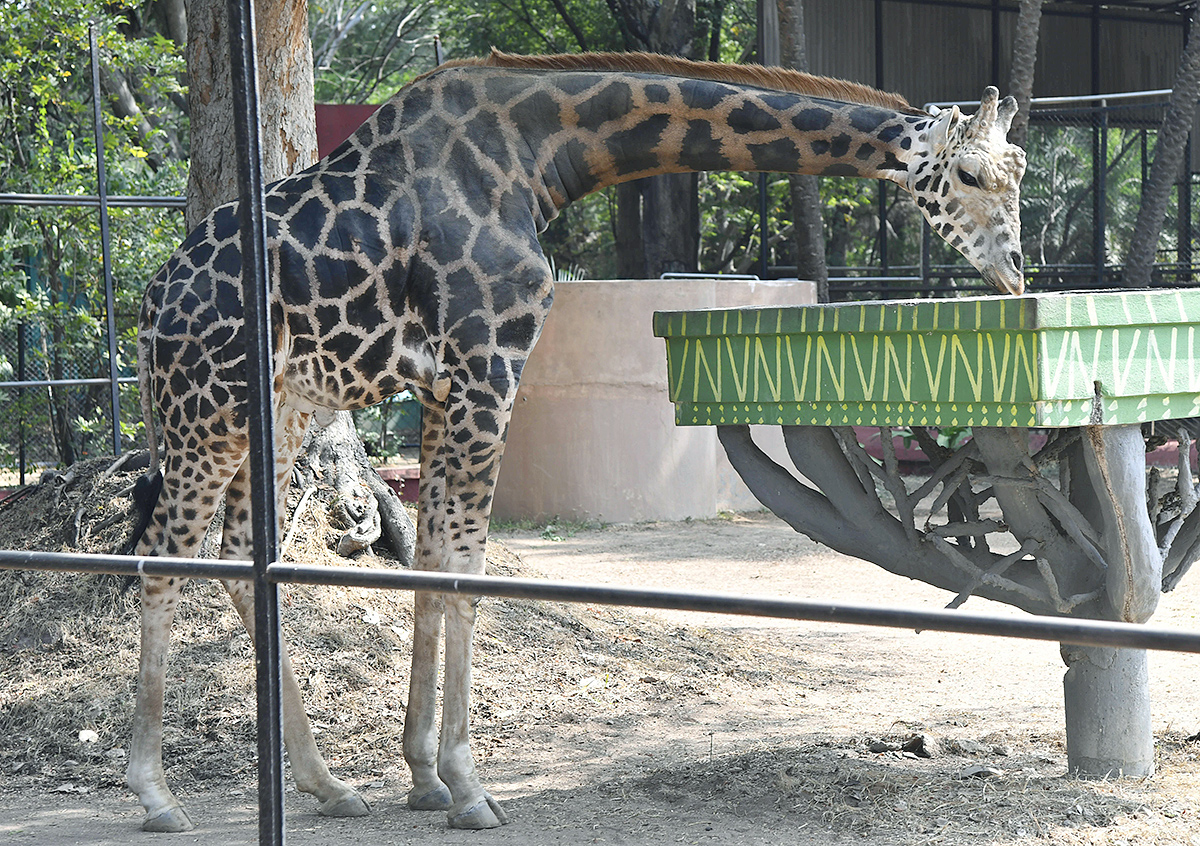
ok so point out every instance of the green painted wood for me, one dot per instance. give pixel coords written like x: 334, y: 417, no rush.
x: 1038, y: 360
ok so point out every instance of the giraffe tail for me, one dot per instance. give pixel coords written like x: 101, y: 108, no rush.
x: 149, y: 486
x: 146, y: 491
x: 145, y: 398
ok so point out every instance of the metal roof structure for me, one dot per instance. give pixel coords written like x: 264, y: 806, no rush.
x: 949, y: 50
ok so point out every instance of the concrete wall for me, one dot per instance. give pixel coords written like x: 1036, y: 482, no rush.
x: 593, y: 435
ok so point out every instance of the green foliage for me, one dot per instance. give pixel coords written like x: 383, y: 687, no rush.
x: 530, y: 26
x: 52, y: 310
x: 387, y: 427
x: 1057, y: 197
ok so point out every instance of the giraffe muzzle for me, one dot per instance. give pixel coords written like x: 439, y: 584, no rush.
x: 1008, y: 279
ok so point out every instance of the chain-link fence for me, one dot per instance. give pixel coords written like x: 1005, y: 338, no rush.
x: 56, y: 399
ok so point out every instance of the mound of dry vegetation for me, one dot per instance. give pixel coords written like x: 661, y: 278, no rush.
x: 70, y: 647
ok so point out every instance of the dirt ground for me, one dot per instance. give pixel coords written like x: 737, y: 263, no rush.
x: 601, y: 725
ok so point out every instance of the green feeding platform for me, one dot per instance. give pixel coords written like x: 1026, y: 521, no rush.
x: 1050, y: 360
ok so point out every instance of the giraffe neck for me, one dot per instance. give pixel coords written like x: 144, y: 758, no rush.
x: 588, y: 130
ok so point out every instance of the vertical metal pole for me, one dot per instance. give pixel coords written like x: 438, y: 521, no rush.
x: 1183, y: 220
x: 1099, y: 156
x: 764, y: 235
x: 881, y: 194
x: 21, y: 405
x: 1100, y: 195
x: 110, y: 306
x: 881, y: 187
x: 252, y: 214
x: 768, y: 55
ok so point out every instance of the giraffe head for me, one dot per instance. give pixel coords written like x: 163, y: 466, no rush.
x: 968, y: 187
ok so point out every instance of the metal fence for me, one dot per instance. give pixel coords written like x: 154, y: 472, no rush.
x: 266, y: 574
x: 52, y: 387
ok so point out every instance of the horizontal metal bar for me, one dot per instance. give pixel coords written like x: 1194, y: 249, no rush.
x: 1058, y: 101
x: 1083, y: 632
x: 64, y: 383
x: 748, y: 277
x: 126, y: 565
x: 92, y: 201
x: 1091, y: 98
x: 875, y: 279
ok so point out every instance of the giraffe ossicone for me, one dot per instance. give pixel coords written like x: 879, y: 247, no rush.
x: 408, y: 258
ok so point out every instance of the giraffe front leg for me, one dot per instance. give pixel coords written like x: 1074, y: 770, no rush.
x: 144, y: 776
x: 472, y: 465
x: 429, y: 792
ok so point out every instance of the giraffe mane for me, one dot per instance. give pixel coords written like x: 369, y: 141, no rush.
x: 780, y: 79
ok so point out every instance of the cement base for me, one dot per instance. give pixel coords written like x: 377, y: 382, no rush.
x: 1107, y: 700
x: 593, y: 434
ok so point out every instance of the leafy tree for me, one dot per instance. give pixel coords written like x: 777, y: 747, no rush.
x: 51, y: 286
x: 364, y: 50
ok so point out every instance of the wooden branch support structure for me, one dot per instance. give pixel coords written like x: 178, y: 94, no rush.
x: 1090, y: 368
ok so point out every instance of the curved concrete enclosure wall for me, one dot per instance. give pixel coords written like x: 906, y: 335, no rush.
x: 593, y: 435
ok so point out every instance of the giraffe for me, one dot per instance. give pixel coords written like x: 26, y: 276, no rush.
x: 408, y: 258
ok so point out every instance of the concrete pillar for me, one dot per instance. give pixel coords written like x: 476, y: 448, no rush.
x: 1107, y: 700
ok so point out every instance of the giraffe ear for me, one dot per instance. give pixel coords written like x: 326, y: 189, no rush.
x: 939, y: 133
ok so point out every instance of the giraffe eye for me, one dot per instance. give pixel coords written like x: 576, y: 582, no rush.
x: 967, y: 179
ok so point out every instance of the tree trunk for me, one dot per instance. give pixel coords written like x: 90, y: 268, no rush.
x: 658, y: 218
x: 1168, y: 159
x: 1087, y: 549
x: 1024, y: 58
x: 808, y: 235
x: 1106, y: 692
x: 670, y: 224
x: 289, y: 144
x: 627, y: 232
x: 365, y: 506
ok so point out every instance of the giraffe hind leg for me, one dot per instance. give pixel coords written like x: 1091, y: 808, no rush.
x: 166, y: 533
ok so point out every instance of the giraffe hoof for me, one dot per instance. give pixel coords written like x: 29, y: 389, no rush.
x: 437, y: 799
x: 484, y: 814
x: 171, y: 819
x: 351, y: 804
